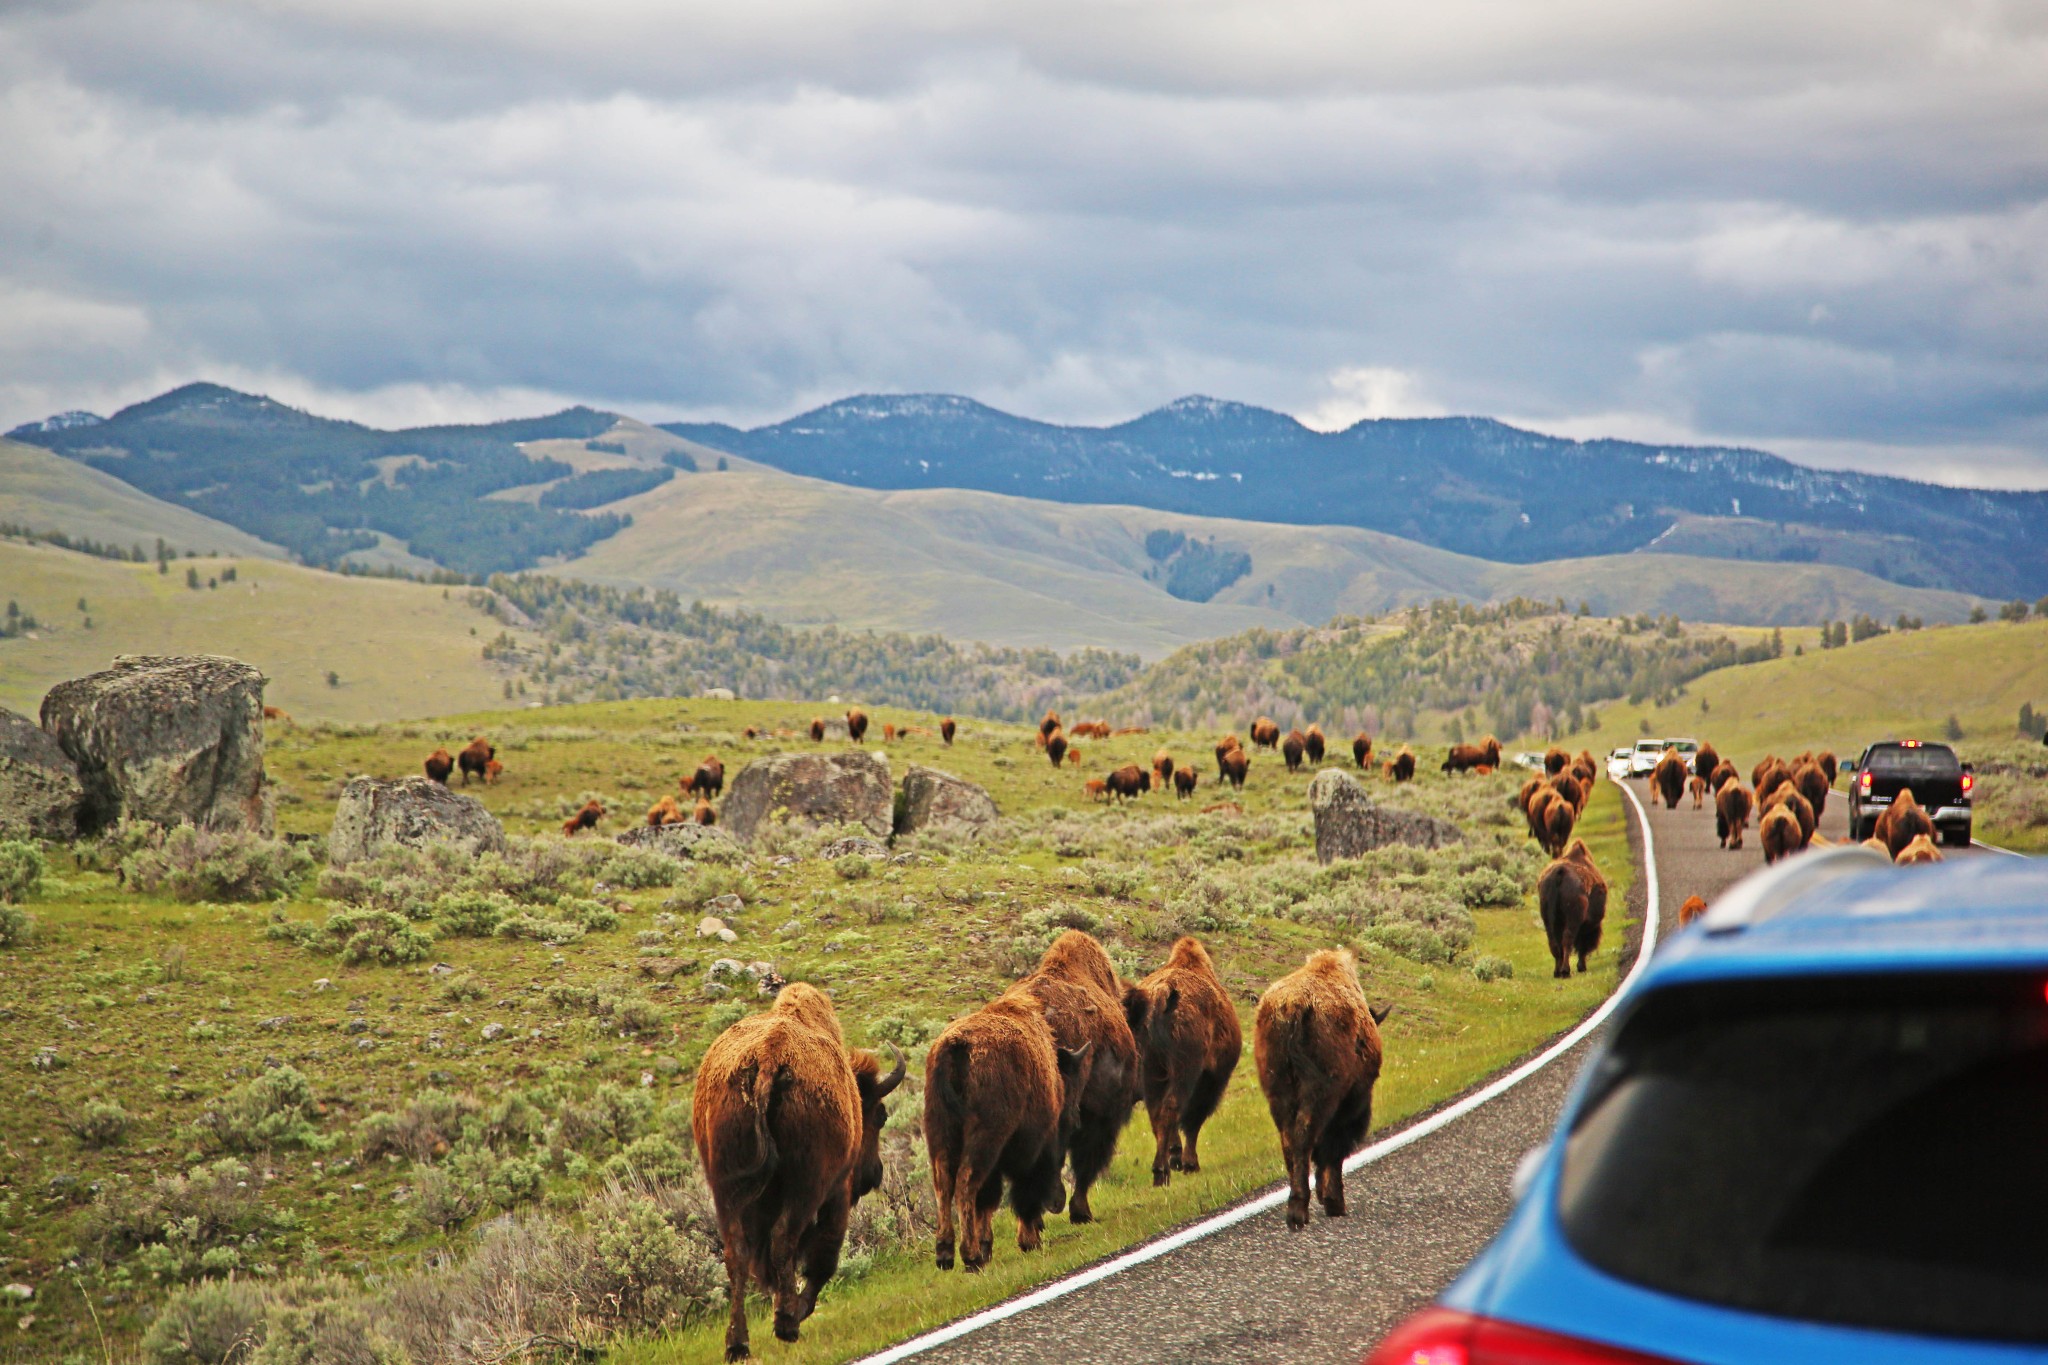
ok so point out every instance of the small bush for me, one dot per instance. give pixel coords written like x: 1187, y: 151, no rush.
x: 427, y: 1128
x: 17, y: 926
x: 650, y: 1158
x: 376, y: 936
x: 1488, y: 967
x: 328, y: 1331
x: 540, y: 930
x: 21, y: 871
x: 634, y: 869
x: 462, y: 986
x: 901, y: 1029
x: 275, y: 1109
x: 595, y: 916
x: 1117, y: 881
x: 709, y: 881
x: 188, y: 864
x: 638, y: 1018
x: 211, y: 1323
x: 641, y: 1263
x: 186, y: 1226
x: 100, y: 1124
x: 473, y: 914
x: 852, y: 867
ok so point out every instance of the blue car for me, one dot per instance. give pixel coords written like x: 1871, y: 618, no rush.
x: 1817, y: 1131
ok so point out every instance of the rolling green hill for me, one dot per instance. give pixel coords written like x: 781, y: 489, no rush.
x: 45, y: 492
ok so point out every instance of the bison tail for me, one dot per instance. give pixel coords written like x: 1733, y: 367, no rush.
x: 949, y: 1077
x: 750, y: 1095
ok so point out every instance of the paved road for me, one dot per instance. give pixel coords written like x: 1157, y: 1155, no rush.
x: 1256, y: 1293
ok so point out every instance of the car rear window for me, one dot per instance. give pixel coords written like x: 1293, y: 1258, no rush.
x: 1869, y: 1152
x: 1916, y: 762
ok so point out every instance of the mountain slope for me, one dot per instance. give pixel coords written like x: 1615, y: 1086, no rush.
x: 41, y: 493
x: 1472, y: 485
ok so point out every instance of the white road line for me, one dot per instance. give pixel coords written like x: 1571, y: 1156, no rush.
x: 1994, y: 848
x: 1277, y: 1196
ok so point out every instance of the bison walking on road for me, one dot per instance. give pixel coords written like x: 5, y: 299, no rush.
x: 1572, y: 896
x: 1731, y: 812
x: 1902, y: 822
x: 1189, y: 1041
x: 1316, y: 1043
x: 788, y: 1126
x: 1669, y: 778
x: 1778, y: 832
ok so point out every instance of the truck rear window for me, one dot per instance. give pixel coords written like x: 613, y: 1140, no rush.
x: 1869, y: 1152
x: 1914, y: 763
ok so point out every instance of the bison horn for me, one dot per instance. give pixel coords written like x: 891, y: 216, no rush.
x: 895, y: 1077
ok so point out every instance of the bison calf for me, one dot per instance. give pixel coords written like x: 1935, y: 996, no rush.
x: 1693, y: 908
x: 1572, y: 896
x: 1189, y: 1043
x: 1316, y: 1043
x: 586, y: 818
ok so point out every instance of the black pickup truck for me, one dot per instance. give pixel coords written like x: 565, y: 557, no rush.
x: 1940, y: 782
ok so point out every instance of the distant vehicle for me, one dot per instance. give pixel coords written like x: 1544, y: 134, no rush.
x: 1941, y: 783
x: 1618, y: 762
x: 1643, y: 761
x: 1528, y: 758
x: 1812, y: 1134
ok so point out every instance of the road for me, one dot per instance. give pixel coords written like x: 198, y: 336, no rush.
x: 1255, y: 1292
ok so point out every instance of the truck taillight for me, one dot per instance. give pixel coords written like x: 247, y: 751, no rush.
x: 1969, y: 781
x: 1442, y: 1336
x: 1863, y: 781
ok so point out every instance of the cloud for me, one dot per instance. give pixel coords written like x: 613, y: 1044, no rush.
x: 1803, y: 223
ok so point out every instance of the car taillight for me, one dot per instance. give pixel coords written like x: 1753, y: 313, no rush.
x: 1864, y: 781
x: 1968, y: 782
x: 1443, y: 1336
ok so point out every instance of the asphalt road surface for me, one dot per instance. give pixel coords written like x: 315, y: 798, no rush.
x: 1255, y: 1292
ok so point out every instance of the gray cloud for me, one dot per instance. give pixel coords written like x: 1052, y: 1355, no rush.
x: 1814, y: 225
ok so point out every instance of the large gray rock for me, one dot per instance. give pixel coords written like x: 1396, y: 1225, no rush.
x: 39, y: 788
x: 932, y: 797
x: 815, y: 789
x: 679, y: 841
x: 170, y: 740
x: 375, y: 814
x: 1349, y: 822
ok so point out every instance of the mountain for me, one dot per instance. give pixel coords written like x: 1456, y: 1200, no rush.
x: 327, y: 489
x: 1469, y: 484
x: 47, y: 496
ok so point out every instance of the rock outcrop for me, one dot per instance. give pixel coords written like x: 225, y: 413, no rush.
x: 815, y: 789
x: 679, y: 841
x: 39, y: 788
x: 932, y: 797
x: 375, y: 814
x: 170, y: 740
x: 1349, y: 822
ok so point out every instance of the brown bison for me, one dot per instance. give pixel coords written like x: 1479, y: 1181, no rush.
x: 704, y: 814
x: 276, y: 713
x: 817, y: 730
x: 1465, y: 757
x: 1056, y: 748
x: 1778, y: 832
x: 1265, y: 734
x: 1361, y: 748
x: 1223, y: 748
x: 1722, y: 776
x: 476, y: 759
x: 857, y: 725
x: 1704, y: 761
x: 1073, y: 756
x: 999, y: 1097
x: 1183, y: 783
x: 708, y: 780
x: 1128, y: 781
x: 888, y: 732
x: 1077, y: 989
x: 1812, y: 782
x: 1558, y: 818
x: 1731, y: 812
x: 1920, y: 850
x: 1234, y: 766
x: 1697, y: 785
x: 751, y: 733
x: 788, y: 1124
x: 1555, y: 760
x: 1693, y: 908
x: 1572, y: 896
x: 1668, y: 777
x: 1567, y: 786
x: 1402, y: 769
x: 1097, y: 789
x: 1902, y: 822
x: 1789, y: 796
x: 1162, y: 768
x: 440, y: 763
x: 1528, y: 793
x: 586, y: 818
x: 1291, y: 749
x: 1189, y: 1042
x: 1768, y: 776
x: 1316, y: 1043
x: 493, y: 770
x: 948, y: 729
x: 665, y: 812
x: 1050, y: 723
x: 1826, y: 759
x: 1314, y: 744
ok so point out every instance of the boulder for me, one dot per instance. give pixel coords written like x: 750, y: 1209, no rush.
x: 815, y: 790
x: 854, y: 845
x: 39, y: 789
x: 1349, y: 822
x: 678, y: 841
x: 375, y: 814
x: 932, y: 797
x: 169, y: 740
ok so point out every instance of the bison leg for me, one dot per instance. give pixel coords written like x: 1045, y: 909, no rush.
x: 977, y: 1237
x: 1340, y: 1136
x: 1297, y: 1145
x: 820, y: 1252
x: 1166, y: 1155
x: 736, y: 1293
x: 1202, y: 1100
x: 1093, y: 1148
x: 943, y: 1196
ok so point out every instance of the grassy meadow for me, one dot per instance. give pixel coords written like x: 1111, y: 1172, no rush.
x: 242, y: 1098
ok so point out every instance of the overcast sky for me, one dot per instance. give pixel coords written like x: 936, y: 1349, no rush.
x: 1809, y: 225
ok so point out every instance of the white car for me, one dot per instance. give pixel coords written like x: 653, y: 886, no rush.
x: 1618, y: 762
x: 1528, y: 758
x: 1643, y: 761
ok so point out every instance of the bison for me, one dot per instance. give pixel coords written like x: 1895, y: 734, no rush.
x: 1097, y: 789
x: 1559, y: 818
x: 1697, y: 785
x: 1128, y: 781
x: 1361, y: 748
x: 1314, y: 744
x: 493, y: 770
x: 1768, y: 776
x: 1184, y: 782
x: 999, y: 1097
x: 947, y: 729
x: 1722, y: 776
x: 1077, y: 989
x: 1189, y: 1041
x: 1789, y: 796
x: 1668, y: 777
x: 1731, y: 813
x: 1569, y: 787
x: 1826, y: 759
x: 1920, y: 850
x: 704, y: 814
x: 1050, y: 723
x: 476, y: 759
x: 788, y: 1125
x: 1224, y: 746
x: 1778, y: 832
x: 277, y: 714
x: 1234, y: 766
x: 857, y: 725
x: 1316, y: 1043
x: 440, y: 763
x: 586, y: 818
x: 1813, y: 784
x: 1572, y: 896
x: 817, y: 730
x: 1402, y: 769
x: 1073, y: 756
x: 1291, y: 749
x: 1693, y: 908
x: 1265, y: 734
x: 1555, y: 760
x: 1902, y: 822
x: 665, y: 812
x: 1704, y: 761
x: 1465, y: 757
x: 1162, y: 768
x: 708, y: 780
x: 1056, y: 748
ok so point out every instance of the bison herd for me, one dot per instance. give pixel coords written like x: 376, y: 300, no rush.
x: 1233, y: 764
x: 1024, y: 1101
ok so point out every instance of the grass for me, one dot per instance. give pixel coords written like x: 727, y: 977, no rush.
x: 161, y: 1008
x: 397, y: 648
x: 46, y: 492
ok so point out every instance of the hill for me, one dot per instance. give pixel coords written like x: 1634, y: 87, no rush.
x: 41, y: 493
x: 1472, y: 485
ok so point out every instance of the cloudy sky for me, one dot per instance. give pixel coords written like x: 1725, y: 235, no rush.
x: 1813, y: 226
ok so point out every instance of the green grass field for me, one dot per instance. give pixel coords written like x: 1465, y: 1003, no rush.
x: 45, y: 492
x: 162, y: 1007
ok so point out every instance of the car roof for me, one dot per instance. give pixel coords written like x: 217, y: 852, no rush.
x: 1837, y: 913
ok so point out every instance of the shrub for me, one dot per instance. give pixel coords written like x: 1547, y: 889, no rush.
x: 100, y: 1124
x: 595, y: 916
x: 427, y: 1127
x: 211, y: 1323
x: 708, y: 882
x: 462, y: 986
x: 186, y: 1226
x: 636, y: 1017
x: 639, y: 1262
x: 361, y: 936
x: 651, y: 1158
x: 326, y: 1331
x: 1117, y: 881
x: 275, y: 1109
x: 901, y: 1029
x: 1488, y: 967
x: 189, y: 864
x: 634, y: 869
x: 473, y: 914
x: 17, y: 926
x: 852, y: 867
x: 1038, y: 928
x: 540, y: 930
x: 21, y: 871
